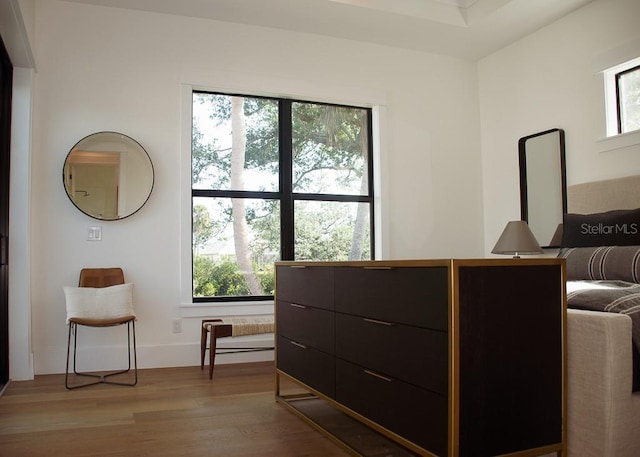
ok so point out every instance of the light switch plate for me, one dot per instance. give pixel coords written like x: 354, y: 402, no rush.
x: 176, y: 326
x: 95, y: 233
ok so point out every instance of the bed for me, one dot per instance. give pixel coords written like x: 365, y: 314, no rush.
x: 601, y: 247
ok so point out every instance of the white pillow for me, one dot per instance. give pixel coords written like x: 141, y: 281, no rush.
x: 99, y: 302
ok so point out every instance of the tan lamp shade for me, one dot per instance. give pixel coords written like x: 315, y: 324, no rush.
x: 556, y: 239
x: 517, y: 239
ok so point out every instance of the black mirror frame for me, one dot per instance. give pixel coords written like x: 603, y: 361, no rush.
x: 522, y: 156
x: 64, y: 185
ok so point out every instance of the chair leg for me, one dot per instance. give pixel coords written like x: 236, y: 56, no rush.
x: 131, y: 329
x: 72, y: 329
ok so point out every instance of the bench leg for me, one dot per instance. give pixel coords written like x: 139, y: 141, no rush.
x: 212, y: 350
x: 203, y: 345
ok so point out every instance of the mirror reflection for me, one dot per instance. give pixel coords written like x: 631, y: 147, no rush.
x: 543, y: 196
x: 108, y: 176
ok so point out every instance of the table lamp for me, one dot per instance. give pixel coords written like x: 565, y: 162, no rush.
x: 517, y: 239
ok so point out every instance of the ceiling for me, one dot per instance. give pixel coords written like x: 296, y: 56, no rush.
x: 469, y: 29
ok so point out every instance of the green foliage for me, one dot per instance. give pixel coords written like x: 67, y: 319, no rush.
x: 213, y: 162
x: 263, y: 147
x: 203, y: 270
x: 328, y: 137
x: 203, y: 226
x: 206, y: 156
x: 222, y: 277
x: 324, y: 233
x: 267, y: 279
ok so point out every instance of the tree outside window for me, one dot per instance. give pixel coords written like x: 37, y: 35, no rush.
x: 275, y: 179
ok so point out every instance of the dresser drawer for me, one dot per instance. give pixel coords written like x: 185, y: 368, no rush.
x: 415, y: 355
x: 416, y: 414
x: 310, y: 366
x: 406, y: 295
x: 309, y: 326
x: 305, y: 285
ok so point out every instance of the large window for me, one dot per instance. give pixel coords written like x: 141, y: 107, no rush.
x: 275, y: 179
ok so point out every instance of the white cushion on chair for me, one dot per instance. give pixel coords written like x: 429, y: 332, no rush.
x: 99, y: 303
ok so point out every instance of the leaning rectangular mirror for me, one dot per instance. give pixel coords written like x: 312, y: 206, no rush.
x: 543, y: 196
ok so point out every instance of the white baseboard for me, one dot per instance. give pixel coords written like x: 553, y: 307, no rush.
x: 165, y: 356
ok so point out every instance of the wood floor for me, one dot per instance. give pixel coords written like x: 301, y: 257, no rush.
x: 171, y: 412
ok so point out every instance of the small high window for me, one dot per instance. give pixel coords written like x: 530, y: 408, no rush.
x: 628, y: 99
x: 622, y: 94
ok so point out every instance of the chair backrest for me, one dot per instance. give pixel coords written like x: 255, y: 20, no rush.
x: 101, y: 277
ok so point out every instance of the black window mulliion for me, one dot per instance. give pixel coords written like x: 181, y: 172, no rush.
x: 275, y: 179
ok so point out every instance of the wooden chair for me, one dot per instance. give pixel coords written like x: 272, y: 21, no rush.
x: 103, y: 299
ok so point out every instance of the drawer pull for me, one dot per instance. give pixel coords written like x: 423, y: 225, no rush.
x: 374, y: 321
x: 379, y: 376
x: 299, y: 345
x: 298, y: 266
x: 378, y: 268
x: 295, y: 305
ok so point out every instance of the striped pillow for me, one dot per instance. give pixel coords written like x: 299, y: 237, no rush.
x: 620, y: 263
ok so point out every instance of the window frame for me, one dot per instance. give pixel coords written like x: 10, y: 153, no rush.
x: 611, y: 100
x: 285, y: 194
x: 617, y: 77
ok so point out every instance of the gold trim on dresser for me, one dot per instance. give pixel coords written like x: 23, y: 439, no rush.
x: 447, y: 357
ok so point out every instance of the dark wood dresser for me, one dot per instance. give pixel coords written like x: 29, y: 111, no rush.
x: 445, y: 357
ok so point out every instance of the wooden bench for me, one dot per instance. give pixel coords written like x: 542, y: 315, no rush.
x: 232, y: 326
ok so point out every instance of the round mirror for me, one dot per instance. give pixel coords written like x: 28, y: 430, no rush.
x: 108, y: 176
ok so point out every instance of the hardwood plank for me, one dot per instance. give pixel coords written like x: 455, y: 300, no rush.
x: 171, y: 412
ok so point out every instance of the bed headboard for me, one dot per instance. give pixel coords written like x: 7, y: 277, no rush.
x: 610, y: 247
x: 606, y: 195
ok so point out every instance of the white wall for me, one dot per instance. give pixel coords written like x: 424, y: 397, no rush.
x: 109, y: 69
x: 17, y: 28
x: 552, y: 79
x: 20, y: 351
